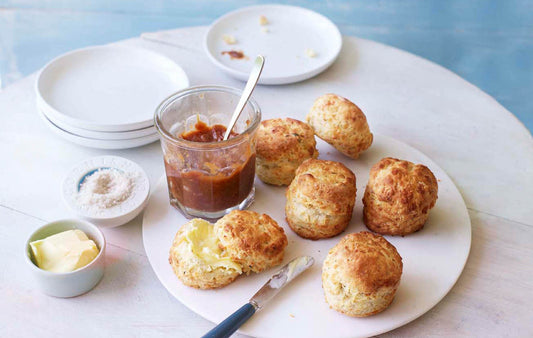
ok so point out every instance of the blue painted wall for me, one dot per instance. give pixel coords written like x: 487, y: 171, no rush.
x: 489, y: 43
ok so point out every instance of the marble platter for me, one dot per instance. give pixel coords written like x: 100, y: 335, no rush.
x: 433, y: 258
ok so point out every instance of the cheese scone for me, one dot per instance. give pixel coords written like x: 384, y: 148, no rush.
x: 361, y: 274
x: 282, y: 145
x: 198, y: 261
x: 341, y: 123
x: 398, y: 197
x: 320, y: 199
x: 255, y: 241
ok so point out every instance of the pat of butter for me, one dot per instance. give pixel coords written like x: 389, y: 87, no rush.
x: 204, y: 244
x: 64, y: 252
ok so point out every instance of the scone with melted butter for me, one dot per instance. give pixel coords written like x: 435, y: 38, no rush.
x: 198, y: 261
x: 207, y: 256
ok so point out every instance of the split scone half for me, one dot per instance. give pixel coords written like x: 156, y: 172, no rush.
x: 255, y: 241
x: 207, y: 256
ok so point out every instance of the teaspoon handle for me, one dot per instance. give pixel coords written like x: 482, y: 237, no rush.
x: 248, y: 89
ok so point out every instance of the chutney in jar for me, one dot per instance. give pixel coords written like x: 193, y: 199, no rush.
x: 211, y: 179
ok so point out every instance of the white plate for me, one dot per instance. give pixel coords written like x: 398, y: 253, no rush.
x: 291, y: 30
x: 103, y: 135
x: 98, y: 143
x: 108, y: 88
x: 433, y: 259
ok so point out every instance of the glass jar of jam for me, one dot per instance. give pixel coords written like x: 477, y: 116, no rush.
x: 206, y: 176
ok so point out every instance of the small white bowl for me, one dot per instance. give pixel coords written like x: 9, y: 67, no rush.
x: 116, y: 215
x: 68, y: 284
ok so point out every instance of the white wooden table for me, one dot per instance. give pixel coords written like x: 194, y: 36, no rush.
x: 482, y: 146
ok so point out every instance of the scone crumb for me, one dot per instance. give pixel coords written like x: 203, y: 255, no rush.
x: 310, y: 52
x: 229, y: 39
x: 265, y: 29
x: 291, y: 315
x: 263, y: 20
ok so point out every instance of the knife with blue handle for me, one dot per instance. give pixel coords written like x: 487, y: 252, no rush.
x: 266, y: 293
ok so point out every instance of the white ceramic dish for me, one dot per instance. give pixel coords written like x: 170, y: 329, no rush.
x: 68, y: 284
x: 99, y: 143
x: 433, y: 259
x: 119, y: 214
x: 102, y: 135
x: 291, y: 30
x: 108, y: 88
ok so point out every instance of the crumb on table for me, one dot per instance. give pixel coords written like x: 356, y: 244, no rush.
x: 229, y: 39
x: 235, y: 54
x: 263, y: 20
x: 310, y: 52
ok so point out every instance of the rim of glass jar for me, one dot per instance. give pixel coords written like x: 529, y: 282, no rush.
x: 205, y: 145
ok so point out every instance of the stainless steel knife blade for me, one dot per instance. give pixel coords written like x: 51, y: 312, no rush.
x: 266, y: 293
x: 280, y: 279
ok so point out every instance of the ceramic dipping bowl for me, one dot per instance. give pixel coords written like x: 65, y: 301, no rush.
x: 67, y: 284
x: 116, y: 215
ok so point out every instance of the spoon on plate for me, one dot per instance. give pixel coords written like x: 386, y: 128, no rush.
x: 248, y: 89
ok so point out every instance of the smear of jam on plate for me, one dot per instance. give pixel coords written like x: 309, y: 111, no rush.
x: 234, y: 54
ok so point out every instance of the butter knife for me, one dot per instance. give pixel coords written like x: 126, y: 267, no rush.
x: 258, y: 301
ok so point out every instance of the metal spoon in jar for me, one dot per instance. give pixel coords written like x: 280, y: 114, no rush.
x: 248, y: 89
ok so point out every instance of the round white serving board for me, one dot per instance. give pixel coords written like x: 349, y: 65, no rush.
x: 291, y: 30
x: 433, y: 259
x: 108, y: 88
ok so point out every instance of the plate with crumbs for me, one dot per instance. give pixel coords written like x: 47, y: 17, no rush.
x: 296, y: 42
x: 433, y: 258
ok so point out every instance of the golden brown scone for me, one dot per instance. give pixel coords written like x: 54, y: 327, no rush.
x: 339, y: 122
x: 253, y: 240
x: 398, y: 197
x: 320, y: 199
x: 197, y: 260
x: 361, y: 274
x: 282, y: 145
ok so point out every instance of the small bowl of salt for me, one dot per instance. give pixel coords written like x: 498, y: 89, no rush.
x: 108, y: 190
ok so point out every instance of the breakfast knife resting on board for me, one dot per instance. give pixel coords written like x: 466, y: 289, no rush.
x: 266, y: 293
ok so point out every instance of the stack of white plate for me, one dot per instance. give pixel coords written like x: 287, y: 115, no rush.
x: 105, y: 97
